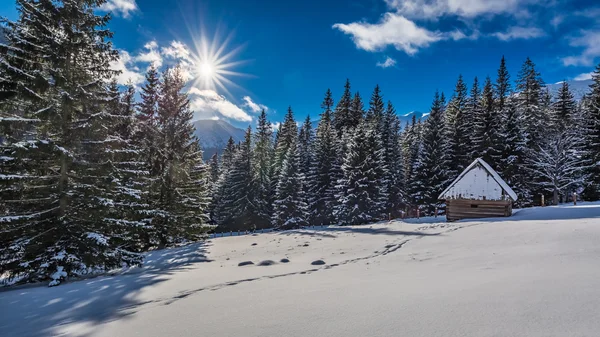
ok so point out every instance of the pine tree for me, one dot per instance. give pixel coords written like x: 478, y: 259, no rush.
x: 592, y: 143
x: 410, y: 150
x: 475, y: 110
x: 234, y: 209
x: 59, y: 123
x: 342, y: 115
x: 394, y: 174
x: 289, y: 206
x: 286, y: 137
x: 180, y: 167
x: 431, y: 176
x: 262, y: 157
x: 359, y: 197
x: 512, y: 162
x: 214, y: 173
x: 564, y: 109
x: 147, y: 134
x: 457, y: 125
x: 502, y: 88
x: 305, y: 145
x: 357, y: 111
x: 322, y: 179
x: 530, y: 101
x: 487, y: 138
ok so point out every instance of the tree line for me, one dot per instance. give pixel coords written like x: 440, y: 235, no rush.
x: 90, y: 178
x: 360, y: 166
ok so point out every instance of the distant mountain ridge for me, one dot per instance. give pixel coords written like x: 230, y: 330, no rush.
x: 214, y: 134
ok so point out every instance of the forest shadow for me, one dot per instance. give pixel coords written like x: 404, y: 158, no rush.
x: 39, y: 311
x: 327, y: 232
x: 549, y: 213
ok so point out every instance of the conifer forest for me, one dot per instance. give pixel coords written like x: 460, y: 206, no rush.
x: 93, y: 174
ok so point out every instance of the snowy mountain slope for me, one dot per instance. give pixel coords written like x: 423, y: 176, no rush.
x: 213, y: 135
x: 530, y: 275
x: 578, y: 88
x: 408, y: 117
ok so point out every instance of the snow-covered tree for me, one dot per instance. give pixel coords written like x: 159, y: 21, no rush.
x: 558, y: 163
x: 343, y: 115
x: 458, y: 126
x: 234, y: 208
x: 54, y: 72
x: 290, y: 209
x: 486, y: 139
x: 262, y: 157
x: 360, y: 197
x: 592, y: 138
x: 321, y: 179
x: 431, y: 167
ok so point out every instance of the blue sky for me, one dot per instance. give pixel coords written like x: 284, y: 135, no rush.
x: 290, y: 52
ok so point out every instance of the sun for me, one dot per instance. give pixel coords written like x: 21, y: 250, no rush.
x: 212, y: 61
x: 206, y: 70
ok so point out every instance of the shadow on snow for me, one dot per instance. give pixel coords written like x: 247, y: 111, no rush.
x: 35, y: 311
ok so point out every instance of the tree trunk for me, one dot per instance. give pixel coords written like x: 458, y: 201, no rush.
x: 555, y: 197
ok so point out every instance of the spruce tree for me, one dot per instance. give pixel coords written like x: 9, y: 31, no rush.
x: 475, y: 110
x: 530, y: 101
x: 357, y: 111
x: 592, y: 139
x: 564, y: 109
x: 487, y: 138
x: 234, y: 209
x: 512, y: 162
x: 59, y: 128
x: 290, y: 209
x: 359, y: 197
x: 431, y: 175
x: 286, y: 138
x: 322, y: 179
x: 262, y: 157
x: 180, y: 167
x: 458, y: 128
x: 394, y: 175
x: 342, y: 115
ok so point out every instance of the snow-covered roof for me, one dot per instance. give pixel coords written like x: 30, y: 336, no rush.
x: 483, y: 189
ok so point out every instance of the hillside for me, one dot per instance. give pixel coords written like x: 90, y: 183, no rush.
x: 529, y: 275
x: 213, y: 135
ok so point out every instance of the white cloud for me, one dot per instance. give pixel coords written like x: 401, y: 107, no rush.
x: 152, y: 55
x: 122, y: 7
x: 389, y: 62
x: 254, y: 107
x: 584, y: 76
x: 177, y: 50
x: 433, y: 9
x: 208, y: 104
x: 590, y: 42
x: 151, y: 45
x: 127, y: 74
x: 393, y: 29
x: 275, y: 126
x: 514, y: 33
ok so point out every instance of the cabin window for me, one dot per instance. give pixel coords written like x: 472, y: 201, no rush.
x: 473, y: 206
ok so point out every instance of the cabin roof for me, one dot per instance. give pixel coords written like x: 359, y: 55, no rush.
x: 491, y: 172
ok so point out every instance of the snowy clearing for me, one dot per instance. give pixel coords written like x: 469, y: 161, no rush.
x: 534, y: 274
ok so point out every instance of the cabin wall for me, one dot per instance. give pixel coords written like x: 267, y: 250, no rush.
x: 477, y: 184
x: 457, y: 209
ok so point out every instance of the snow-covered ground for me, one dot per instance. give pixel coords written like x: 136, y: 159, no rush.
x: 535, y: 274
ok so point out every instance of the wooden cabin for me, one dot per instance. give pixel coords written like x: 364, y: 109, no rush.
x: 478, y: 192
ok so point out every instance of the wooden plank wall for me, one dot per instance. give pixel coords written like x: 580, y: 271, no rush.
x: 462, y: 209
